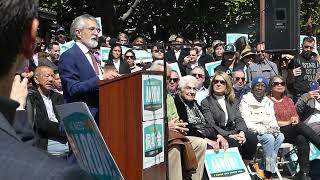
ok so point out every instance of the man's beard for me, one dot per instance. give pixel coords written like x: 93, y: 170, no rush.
x: 90, y: 43
x: 306, y: 54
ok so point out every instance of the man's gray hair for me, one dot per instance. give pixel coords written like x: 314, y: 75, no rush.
x: 186, y: 79
x: 79, y: 24
x: 156, y: 64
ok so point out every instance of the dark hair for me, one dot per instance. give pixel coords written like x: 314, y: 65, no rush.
x: 181, y: 37
x: 50, y: 46
x: 272, y: 79
x: 130, y: 51
x: 309, y: 39
x: 16, y: 19
x: 110, y: 54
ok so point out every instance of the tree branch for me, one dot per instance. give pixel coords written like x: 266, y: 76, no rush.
x: 127, y: 14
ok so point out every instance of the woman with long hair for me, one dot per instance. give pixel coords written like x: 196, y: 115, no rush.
x: 220, y: 109
x: 115, y: 58
x: 294, y: 131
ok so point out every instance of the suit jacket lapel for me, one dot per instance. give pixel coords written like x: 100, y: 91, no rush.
x: 84, y: 61
x: 5, y: 126
x: 215, y: 101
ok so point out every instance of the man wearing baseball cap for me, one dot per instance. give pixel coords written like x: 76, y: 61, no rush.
x: 60, y: 34
x: 229, y: 63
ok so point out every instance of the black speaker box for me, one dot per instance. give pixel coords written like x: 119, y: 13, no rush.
x: 282, y: 25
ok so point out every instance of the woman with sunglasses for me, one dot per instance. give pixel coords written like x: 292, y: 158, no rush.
x: 295, y: 131
x: 258, y: 113
x: 220, y: 109
x: 115, y: 59
x: 130, y: 57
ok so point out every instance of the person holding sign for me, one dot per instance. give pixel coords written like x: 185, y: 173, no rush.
x: 258, y: 113
x: 221, y: 110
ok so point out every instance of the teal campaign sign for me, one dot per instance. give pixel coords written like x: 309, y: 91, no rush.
x: 292, y: 157
x: 224, y: 164
x: 152, y: 93
x: 104, y: 51
x: 142, y: 56
x: 153, y: 140
x: 64, y: 47
x: 301, y: 40
x: 89, y: 148
x: 211, y: 66
x: 232, y: 37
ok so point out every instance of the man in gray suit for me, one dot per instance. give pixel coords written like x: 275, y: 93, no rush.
x: 18, y: 29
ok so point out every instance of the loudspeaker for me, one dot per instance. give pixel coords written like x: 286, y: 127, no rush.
x: 282, y: 30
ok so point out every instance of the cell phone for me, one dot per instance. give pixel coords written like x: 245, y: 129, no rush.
x: 314, y: 86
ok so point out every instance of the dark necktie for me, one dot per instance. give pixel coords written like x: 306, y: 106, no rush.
x: 94, y: 62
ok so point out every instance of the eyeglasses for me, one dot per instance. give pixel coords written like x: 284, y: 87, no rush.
x: 198, y: 75
x: 129, y: 57
x: 278, y: 83
x: 215, y: 81
x: 262, y: 51
x: 157, y: 51
x: 173, y: 79
x: 91, y: 29
x: 238, y: 78
x: 306, y: 47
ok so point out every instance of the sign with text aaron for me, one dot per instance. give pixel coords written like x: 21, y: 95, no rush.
x: 153, y: 123
x: 87, y: 143
x: 226, y: 165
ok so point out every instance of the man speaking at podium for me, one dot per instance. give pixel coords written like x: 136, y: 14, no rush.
x: 78, y: 68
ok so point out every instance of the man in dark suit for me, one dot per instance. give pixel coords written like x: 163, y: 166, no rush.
x: 78, y: 69
x: 19, y: 160
x: 177, y: 54
x: 203, y: 57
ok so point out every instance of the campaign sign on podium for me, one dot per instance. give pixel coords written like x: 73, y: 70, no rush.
x: 226, y: 165
x: 153, y: 124
x: 87, y: 143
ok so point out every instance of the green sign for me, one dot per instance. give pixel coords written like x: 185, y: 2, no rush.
x: 89, y: 147
x: 232, y: 37
x: 211, y: 66
x: 153, y: 140
x: 224, y: 164
x: 152, y: 94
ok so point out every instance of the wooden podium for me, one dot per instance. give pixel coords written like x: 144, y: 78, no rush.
x: 128, y: 120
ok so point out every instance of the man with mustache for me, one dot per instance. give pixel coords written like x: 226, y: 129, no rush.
x: 302, y: 69
x: 78, y: 68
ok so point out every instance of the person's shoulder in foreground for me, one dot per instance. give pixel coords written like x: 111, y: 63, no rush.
x: 19, y: 26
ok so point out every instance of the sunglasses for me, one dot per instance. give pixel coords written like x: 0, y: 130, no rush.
x: 173, y: 79
x: 198, y: 75
x: 278, y: 83
x: 129, y: 57
x: 157, y: 51
x: 238, y: 78
x: 262, y: 51
x: 215, y: 81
